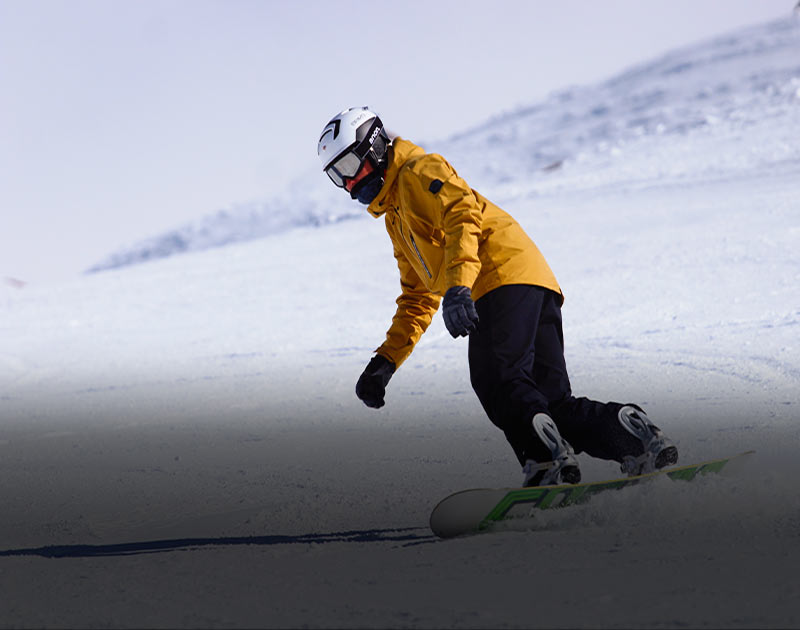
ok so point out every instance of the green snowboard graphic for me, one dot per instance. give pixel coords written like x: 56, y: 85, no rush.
x: 471, y: 511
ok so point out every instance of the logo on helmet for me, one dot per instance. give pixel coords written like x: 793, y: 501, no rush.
x: 374, y: 135
x: 358, y: 119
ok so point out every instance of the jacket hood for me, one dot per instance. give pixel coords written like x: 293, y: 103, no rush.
x: 400, y: 152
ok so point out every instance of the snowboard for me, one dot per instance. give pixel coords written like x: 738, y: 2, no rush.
x: 472, y: 511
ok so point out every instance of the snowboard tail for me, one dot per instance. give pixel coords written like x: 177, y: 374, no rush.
x: 471, y: 511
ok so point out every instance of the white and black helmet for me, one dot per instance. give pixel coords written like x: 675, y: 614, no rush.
x: 350, y: 138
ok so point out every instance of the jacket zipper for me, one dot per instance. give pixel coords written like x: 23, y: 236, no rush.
x: 416, y: 249
x: 414, y: 245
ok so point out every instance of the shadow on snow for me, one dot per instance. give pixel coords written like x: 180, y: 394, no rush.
x: 404, y: 535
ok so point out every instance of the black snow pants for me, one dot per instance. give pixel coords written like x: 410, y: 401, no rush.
x: 517, y: 369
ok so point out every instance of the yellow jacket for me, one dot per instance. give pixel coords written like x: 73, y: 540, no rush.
x: 445, y: 234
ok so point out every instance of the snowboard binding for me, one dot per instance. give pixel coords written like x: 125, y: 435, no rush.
x: 562, y: 465
x: 658, y: 450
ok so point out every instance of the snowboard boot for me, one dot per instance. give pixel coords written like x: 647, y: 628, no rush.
x: 558, y: 465
x: 657, y: 450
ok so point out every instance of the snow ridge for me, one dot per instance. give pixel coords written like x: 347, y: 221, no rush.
x: 731, y: 83
x: 240, y: 222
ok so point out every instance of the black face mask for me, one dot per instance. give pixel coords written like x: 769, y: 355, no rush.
x: 368, y: 188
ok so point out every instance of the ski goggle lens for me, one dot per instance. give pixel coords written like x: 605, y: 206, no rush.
x: 346, y: 166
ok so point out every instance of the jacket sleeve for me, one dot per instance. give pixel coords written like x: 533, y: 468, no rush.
x: 416, y: 307
x: 461, y: 220
x: 461, y: 216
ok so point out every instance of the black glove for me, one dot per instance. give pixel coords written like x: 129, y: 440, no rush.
x: 371, y: 386
x: 459, y: 312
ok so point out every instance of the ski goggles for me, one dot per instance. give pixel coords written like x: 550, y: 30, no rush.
x: 344, y: 168
x: 349, y: 163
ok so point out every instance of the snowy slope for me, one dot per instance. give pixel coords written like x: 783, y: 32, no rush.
x: 724, y: 88
x: 209, y: 396
x: 721, y: 89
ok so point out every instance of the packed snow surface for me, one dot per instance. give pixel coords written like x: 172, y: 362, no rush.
x: 180, y: 444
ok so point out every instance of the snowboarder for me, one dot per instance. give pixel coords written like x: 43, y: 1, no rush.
x: 454, y: 246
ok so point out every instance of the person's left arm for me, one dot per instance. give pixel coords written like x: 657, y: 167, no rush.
x: 454, y: 205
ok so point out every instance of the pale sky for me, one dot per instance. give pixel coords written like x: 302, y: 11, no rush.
x: 121, y: 119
